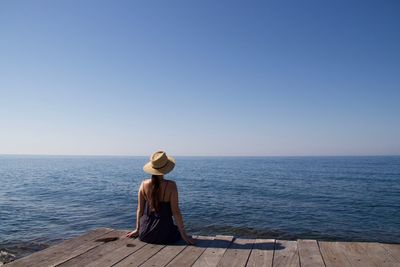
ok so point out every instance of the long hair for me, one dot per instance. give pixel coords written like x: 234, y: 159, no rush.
x: 155, y: 190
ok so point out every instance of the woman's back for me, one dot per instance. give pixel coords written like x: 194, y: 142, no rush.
x: 157, y: 226
x: 157, y: 203
x: 164, y: 194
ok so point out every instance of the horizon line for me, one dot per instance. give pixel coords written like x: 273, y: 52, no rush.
x: 182, y: 155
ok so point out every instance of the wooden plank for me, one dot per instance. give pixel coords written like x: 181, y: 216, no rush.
x: 333, y: 255
x: 288, y: 255
x: 63, y: 256
x: 108, y: 247
x: 99, y: 251
x: 309, y: 253
x: 262, y: 253
x: 393, y: 249
x: 118, y: 254
x: 190, y: 254
x: 139, y: 257
x: 378, y: 254
x: 61, y: 252
x: 214, y: 252
x: 356, y: 254
x: 237, y: 253
x: 164, y: 256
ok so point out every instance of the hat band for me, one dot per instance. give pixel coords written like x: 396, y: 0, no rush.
x: 161, y: 166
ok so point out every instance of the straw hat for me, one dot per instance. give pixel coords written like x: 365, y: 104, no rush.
x: 159, y: 164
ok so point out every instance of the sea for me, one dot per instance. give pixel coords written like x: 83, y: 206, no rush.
x: 47, y: 199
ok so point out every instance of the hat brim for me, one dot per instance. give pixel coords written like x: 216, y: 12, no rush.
x: 148, y: 168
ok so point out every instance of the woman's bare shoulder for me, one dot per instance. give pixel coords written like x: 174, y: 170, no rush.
x: 173, y: 183
x: 146, y: 182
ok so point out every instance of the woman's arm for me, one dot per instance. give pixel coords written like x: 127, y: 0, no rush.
x: 176, y: 212
x: 139, y: 212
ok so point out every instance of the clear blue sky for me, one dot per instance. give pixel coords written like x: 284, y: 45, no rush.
x: 200, y: 77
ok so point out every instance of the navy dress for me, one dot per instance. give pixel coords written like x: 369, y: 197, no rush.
x: 158, y: 228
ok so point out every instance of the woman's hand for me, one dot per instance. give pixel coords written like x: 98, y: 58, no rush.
x: 189, y: 240
x: 134, y: 233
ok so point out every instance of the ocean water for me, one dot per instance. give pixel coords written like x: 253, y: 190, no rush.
x: 45, y: 199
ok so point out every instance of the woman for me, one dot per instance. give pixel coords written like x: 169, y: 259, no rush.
x: 157, y: 203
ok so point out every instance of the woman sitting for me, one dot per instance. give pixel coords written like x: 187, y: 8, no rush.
x: 157, y: 203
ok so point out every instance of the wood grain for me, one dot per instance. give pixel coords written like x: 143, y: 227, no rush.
x: 262, y: 253
x: 118, y: 254
x: 164, y: 256
x: 107, y: 247
x: 309, y: 253
x: 288, y: 256
x: 68, y: 249
x: 190, y: 254
x: 333, y: 254
x: 139, y: 257
x: 213, y: 254
x: 237, y: 253
x: 98, y: 252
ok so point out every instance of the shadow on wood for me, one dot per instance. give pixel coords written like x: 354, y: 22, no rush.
x: 107, y: 239
x: 219, y: 243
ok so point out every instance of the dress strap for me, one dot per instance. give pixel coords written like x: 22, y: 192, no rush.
x: 165, y: 190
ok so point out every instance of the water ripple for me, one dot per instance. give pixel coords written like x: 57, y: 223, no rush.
x: 47, y: 199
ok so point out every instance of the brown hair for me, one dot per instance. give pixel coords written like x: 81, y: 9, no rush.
x: 155, y: 189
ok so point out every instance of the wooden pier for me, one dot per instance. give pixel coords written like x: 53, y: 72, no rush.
x: 108, y: 247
